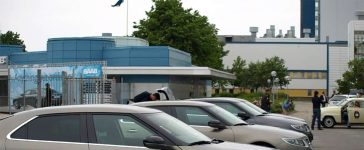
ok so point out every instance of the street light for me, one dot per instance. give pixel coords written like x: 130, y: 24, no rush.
x: 274, y: 74
x: 276, y: 80
x: 288, y: 78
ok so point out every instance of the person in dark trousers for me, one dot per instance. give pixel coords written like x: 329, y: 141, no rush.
x: 323, y: 99
x: 146, y: 96
x: 265, y: 102
x: 316, y: 105
x: 48, y: 96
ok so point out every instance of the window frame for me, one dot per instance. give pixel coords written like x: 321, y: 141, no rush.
x: 83, y: 128
x: 92, y: 130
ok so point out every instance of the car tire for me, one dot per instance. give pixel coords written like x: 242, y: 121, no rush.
x: 328, y: 122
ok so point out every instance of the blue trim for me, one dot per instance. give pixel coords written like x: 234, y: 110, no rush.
x: 319, y: 43
x: 328, y: 68
x: 307, y: 71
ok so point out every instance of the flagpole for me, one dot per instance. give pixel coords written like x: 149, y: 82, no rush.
x: 127, y: 18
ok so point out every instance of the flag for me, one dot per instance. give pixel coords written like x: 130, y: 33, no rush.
x: 118, y: 3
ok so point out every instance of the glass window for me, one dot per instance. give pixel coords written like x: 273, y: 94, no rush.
x: 229, y: 107
x: 65, y: 128
x: 193, y: 115
x: 120, y: 130
x: 175, y: 128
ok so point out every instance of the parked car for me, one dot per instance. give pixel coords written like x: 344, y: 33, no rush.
x: 333, y: 101
x: 103, y: 126
x: 332, y: 116
x: 240, y: 108
x: 216, y: 122
x: 31, y: 98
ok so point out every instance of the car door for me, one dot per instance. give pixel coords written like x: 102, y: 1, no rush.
x: 50, y: 132
x: 356, y: 113
x: 117, y: 132
x: 198, y: 118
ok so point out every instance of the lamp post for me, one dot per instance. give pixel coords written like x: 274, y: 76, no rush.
x: 274, y: 74
x: 276, y: 80
x: 288, y: 78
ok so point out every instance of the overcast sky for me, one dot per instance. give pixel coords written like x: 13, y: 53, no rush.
x: 38, y: 20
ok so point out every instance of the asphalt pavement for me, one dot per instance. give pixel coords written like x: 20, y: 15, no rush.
x: 337, y: 138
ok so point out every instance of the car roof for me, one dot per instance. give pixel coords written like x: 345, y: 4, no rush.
x: 352, y: 99
x: 109, y: 108
x: 175, y: 103
x: 219, y: 99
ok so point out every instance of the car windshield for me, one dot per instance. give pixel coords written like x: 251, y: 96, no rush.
x: 255, y: 107
x: 337, y: 98
x: 229, y: 118
x: 176, y: 128
x: 249, y: 109
x: 342, y: 103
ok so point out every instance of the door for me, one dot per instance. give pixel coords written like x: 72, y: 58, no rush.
x: 50, y: 133
x: 198, y: 118
x: 356, y: 112
x: 118, y: 132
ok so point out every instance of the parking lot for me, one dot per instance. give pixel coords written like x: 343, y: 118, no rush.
x: 337, y: 138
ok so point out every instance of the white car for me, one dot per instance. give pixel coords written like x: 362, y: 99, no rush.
x: 338, y: 98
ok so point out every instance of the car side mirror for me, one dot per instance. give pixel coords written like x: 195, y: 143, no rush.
x: 216, y: 124
x: 243, y: 115
x: 156, y: 142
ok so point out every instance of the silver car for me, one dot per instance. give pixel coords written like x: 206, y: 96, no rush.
x: 100, y: 127
x: 216, y: 122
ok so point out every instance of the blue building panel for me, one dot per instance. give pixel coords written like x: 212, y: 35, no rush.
x: 149, y: 52
x: 117, y: 53
x: 149, y: 62
x: 114, y: 62
x: 83, y: 45
x: 96, y: 55
x: 6, y: 50
x: 69, y: 45
x: 308, y: 16
x: 57, y: 46
x: 69, y: 54
x: 83, y: 54
x: 57, y: 54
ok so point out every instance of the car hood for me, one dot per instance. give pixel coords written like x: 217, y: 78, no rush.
x: 276, y: 121
x: 331, y: 108
x: 225, y: 146
x: 265, y: 133
x: 285, y: 116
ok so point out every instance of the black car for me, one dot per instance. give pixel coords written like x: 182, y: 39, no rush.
x: 242, y: 109
x: 31, y: 98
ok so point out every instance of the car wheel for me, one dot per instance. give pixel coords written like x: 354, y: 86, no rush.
x: 329, y: 122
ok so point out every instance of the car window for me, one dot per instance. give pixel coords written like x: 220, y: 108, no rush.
x: 120, y: 130
x: 229, y: 107
x: 337, y: 98
x: 193, y: 115
x: 65, y: 128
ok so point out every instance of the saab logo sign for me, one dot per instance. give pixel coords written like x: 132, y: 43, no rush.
x: 92, y: 72
x: 3, y: 60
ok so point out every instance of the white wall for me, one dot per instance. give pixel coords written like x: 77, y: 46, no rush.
x: 296, y: 56
x: 335, y: 16
x: 338, y: 60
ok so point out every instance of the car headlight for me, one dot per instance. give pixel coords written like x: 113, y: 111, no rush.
x: 302, y: 128
x: 296, y: 142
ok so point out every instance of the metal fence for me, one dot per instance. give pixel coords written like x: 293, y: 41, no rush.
x: 57, y: 91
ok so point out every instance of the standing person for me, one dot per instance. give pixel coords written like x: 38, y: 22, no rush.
x: 323, y: 99
x: 333, y: 93
x: 48, y: 96
x: 146, y: 96
x: 316, y: 105
x: 265, y: 102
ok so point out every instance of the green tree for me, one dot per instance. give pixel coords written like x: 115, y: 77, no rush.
x: 240, y: 70
x: 353, y: 78
x: 260, y: 72
x: 168, y: 23
x: 12, y: 38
